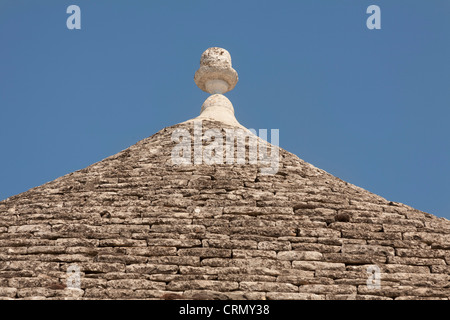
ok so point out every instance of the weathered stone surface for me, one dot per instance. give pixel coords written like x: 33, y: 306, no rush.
x: 118, y: 258
x: 318, y: 247
x: 357, y: 226
x: 203, y: 285
x: 134, y: 284
x: 400, y: 291
x: 420, y: 298
x: 411, y: 278
x: 210, y: 270
x: 274, y: 245
x: 30, y: 228
x: 399, y: 243
x: 391, y: 268
x: 427, y: 237
x: 299, y: 278
x: 205, y: 295
x: 122, y: 243
x: 267, y: 286
x: 178, y: 243
x: 152, y: 251
x: 230, y: 244
x: 254, y: 254
x: 293, y: 296
x: 421, y: 253
x: 151, y: 268
x: 246, y: 277
x: 328, y: 289
x: 8, y: 292
x: 175, y: 260
x: 35, y: 292
x: 46, y: 249
x: 299, y: 255
x: 416, y: 261
x: 258, y: 210
x: 367, y: 249
x: 398, y: 228
x: 319, y: 232
x: 367, y: 235
x: 441, y: 269
x: 139, y: 227
x: 355, y: 297
x: 317, y: 265
x: 205, y: 252
x: 353, y: 258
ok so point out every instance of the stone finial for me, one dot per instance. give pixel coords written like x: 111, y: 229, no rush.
x: 215, y: 75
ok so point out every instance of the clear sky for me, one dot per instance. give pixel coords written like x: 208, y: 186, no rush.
x: 371, y: 107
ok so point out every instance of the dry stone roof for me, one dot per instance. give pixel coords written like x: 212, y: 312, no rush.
x: 140, y: 227
x: 137, y: 225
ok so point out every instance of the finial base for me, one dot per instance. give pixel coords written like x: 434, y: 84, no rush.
x: 218, y: 108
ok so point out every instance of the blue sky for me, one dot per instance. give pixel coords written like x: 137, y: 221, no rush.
x: 369, y: 106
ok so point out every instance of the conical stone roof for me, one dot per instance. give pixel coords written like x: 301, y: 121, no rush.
x: 138, y: 226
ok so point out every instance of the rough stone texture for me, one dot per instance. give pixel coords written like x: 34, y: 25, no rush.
x: 218, y: 108
x: 215, y: 65
x: 140, y: 227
